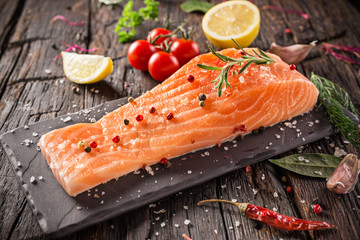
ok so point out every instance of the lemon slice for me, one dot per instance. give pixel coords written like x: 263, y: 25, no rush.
x: 239, y: 20
x: 84, y: 68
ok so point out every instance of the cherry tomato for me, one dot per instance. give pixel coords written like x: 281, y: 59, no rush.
x: 162, y: 65
x: 185, y: 50
x: 139, y: 54
x: 160, y: 31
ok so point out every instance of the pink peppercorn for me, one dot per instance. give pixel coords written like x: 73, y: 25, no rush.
x: 139, y: 118
x: 170, y: 116
x: 164, y: 161
x: 152, y: 110
x: 317, y: 208
x: 93, y: 144
x: 191, y: 78
x: 292, y: 67
x: 116, y: 139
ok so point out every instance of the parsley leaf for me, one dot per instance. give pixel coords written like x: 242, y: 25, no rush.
x: 130, y: 19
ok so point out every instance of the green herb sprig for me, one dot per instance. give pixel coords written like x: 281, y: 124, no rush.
x: 260, y: 58
x: 131, y: 19
x: 335, y: 99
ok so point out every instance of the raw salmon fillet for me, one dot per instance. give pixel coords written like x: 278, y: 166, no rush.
x: 260, y: 96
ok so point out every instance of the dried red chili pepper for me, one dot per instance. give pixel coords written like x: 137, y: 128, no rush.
x: 272, y: 218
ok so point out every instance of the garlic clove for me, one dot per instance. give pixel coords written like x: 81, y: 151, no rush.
x: 292, y: 54
x: 345, y: 176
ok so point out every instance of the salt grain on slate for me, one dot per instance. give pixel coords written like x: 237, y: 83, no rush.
x: 277, y: 136
x: 237, y: 223
x: 93, y: 120
x: 275, y: 209
x: 47, y: 71
x: 189, y: 172
x: 186, y: 207
x: 176, y: 225
x: 67, y: 119
x: 35, y: 134
x: 302, y: 201
x: 149, y: 170
x: 18, y: 164
x: 40, y: 178
x: 318, y: 173
x: 215, y: 231
x: 32, y: 179
x: 276, y: 194
x: 162, y: 224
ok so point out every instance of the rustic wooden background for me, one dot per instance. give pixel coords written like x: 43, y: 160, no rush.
x: 30, y: 93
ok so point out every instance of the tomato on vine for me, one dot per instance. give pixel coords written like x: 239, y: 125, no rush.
x: 162, y: 65
x: 139, y: 54
x: 185, y: 50
x: 160, y: 41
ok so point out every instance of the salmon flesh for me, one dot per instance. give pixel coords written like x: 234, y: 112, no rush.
x: 260, y: 96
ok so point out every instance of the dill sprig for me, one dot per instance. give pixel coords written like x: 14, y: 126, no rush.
x: 335, y: 99
x: 260, y: 58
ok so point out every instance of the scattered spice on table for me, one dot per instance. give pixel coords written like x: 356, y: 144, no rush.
x: 304, y: 15
x: 272, y: 218
x: 317, y: 208
x: 62, y: 18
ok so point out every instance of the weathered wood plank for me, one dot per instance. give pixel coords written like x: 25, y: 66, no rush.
x: 9, y: 12
x: 31, y: 94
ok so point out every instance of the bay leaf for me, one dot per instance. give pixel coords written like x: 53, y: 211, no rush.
x: 309, y: 164
x: 191, y: 6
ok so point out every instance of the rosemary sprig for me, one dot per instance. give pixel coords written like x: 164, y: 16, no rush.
x: 336, y: 99
x: 259, y: 58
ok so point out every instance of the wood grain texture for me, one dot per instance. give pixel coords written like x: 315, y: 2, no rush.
x: 28, y: 44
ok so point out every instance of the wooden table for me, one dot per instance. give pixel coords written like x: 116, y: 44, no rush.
x: 34, y: 88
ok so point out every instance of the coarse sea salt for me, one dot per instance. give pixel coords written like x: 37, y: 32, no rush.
x: 187, y: 222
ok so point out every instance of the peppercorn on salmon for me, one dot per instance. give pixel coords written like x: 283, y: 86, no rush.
x: 170, y: 120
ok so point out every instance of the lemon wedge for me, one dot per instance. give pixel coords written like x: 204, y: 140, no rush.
x: 239, y: 20
x: 84, y: 68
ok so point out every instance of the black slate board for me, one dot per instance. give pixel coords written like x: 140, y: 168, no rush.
x: 58, y: 213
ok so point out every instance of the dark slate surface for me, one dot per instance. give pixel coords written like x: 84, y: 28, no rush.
x: 58, y: 213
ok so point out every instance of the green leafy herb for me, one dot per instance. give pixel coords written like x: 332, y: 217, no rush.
x: 260, y: 58
x: 131, y: 19
x: 310, y: 164
x: 191, y: 6
x: 336, y: 99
